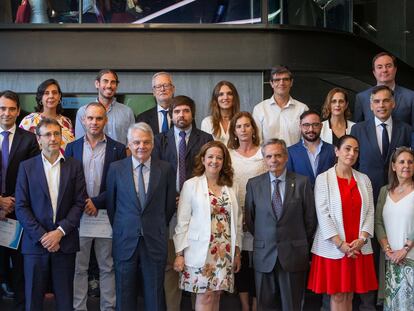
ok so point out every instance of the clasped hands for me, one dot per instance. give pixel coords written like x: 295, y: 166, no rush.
x: 396, y: 256
x: 352, y: 249
x: 51, y: 240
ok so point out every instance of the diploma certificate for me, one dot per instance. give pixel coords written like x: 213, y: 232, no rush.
x: 95, y: 227
x: 10, y: 233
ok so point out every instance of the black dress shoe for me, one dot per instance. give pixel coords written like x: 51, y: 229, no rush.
x: 6, y: 291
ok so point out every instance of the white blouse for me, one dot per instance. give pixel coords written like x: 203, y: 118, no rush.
x: 207, y: 126
x: 399, y: 221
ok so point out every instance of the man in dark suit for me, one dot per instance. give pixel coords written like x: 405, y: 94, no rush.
x: 95, y: 151
x: 311, y: 155
x: 384, y: 68
x: 280, y: 213
x: 140, y: 202
x: 378, y: 137
x: 178, y: 147
x: 157, y: 117
x: 17, y: 145
x: 50, y: 196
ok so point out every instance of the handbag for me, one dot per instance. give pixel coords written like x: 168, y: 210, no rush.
x: 23, y: 13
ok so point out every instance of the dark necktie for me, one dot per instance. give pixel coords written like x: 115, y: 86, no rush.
x: 141, y: 187
x: 4, y: 159
x: 385, y: 141
x: 277, y: 199
x: 181, y: 158
x: 164, y: 127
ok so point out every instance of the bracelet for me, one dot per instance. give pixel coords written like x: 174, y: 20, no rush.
x: 387, y: 248
x: 340, y: 245
x: 179, y: 255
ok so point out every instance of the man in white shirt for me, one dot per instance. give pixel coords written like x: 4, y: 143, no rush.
x: 50, y: 197
x: 278, y: 116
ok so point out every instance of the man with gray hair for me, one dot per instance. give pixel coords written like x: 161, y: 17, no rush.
x: 163, y: 90
x: 140, y: 198
x: 280, y: 213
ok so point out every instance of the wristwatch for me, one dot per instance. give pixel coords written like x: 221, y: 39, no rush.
x: 364, y: 239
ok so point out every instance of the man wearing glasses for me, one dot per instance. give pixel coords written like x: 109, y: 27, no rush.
x: 120, y: 116
x: 278, y: 116
x: 50, y: 197
x: 158, y: 118
x: 311, y: 155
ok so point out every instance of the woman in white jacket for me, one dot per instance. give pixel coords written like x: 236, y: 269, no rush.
x: 208, y: 234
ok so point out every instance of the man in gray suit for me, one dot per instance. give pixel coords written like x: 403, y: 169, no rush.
x: 280, y: 213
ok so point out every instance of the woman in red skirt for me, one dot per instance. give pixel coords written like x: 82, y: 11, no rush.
x: 342, y: 262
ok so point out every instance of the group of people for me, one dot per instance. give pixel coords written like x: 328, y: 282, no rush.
x: 240, y: 203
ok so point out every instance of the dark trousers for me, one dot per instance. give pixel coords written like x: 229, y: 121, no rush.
x: 127, y: 274
x: 280, y: 290
x: 38, y: 269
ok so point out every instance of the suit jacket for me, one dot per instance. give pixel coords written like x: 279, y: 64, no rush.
x: 329, y: 210
x: 299, y: 161
x: 403, y: 111
x: 114, y: 151
x: 165, y: 148
x: 151, y: 118
x: 370, y: 160
x: 34, y: 208
x: 326, y: 132
x: 193, y: 230
x: 289, y: 237
x: 123, y: 212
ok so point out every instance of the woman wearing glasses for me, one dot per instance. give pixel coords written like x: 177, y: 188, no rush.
x: 224, y: 104
x: 48, y: 98
x: 394, y: 228
x: 336, y: 113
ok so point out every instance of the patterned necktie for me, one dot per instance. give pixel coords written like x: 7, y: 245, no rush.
x: 277, y: 199
x: 385, y: 141
x: 181, y: 158
x: 141, y: 187
x: 4, y: 159
x: 164, y: 127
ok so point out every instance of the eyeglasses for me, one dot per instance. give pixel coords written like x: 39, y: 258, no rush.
x: 50, y: 134
x: 308, y: 125
x: 165, y: 86
x: 278, y: 80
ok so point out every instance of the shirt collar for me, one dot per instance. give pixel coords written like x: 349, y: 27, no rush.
x: 282, y: 177
x: 379, y: 122
x: 136, y: 163
x: 187, y: 131
x: 12, y: 130
x: 289, y: 103
x: 104, y: 139
x: 110, y: 104
x: 160, y: 109
x: 319, y: 145
x: 46, y: 161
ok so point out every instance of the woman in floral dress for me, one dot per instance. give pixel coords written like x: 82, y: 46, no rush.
x: 48, y: 98
x: 208, y: 234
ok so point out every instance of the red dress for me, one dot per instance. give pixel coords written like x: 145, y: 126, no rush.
x: 345, y: 275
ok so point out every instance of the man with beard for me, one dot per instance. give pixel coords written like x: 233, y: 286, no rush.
x: 178, y: 147
x: 311, y: 155
x: 120, y: 117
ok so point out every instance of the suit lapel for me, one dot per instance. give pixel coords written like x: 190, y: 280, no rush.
x: 395, y: 138
x: 372, y: 138
x: 42, y: 177
x: 15, y: 144
x: 64, y: 177
x: 171, y: 146
x: 305, y: 159
x: 289, y: 190
x: 154, y: 180
x: 78, y: 150
x: 109, y: 156
x: 127, y: 178
x: 192, y: 140
x: 266, y: 192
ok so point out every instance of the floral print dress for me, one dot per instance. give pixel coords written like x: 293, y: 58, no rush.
x: 217, y: 273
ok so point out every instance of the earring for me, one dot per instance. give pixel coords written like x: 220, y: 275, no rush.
x: 235, y: 138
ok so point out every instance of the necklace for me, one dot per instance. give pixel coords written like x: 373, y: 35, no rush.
x: 401, y: 189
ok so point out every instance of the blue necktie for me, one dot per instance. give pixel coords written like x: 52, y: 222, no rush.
x: 141, y: 187
x: 164, y: 128
x: 277, y: 199
x: 385, y: 141
x: 4, y: 159
x: 181, y: 158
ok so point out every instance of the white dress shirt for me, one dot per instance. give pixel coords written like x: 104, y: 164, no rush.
x: 207, y: 126
x: 379, y: 129
x: 145, y: 172
x: 276, y: 122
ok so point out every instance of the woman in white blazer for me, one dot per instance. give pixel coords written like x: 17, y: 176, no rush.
x: 208, y: 235
x: 336, y: 113
x: 342, y: 261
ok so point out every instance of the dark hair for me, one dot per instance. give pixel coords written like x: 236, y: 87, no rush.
x: 12, y: 96
x: 215, y: 108
x: 274, y: 141
x: 380, y: 88
x: 279, y: 70
x: 308, y: 113
x: 41, y: 91
x: 226, y: 172
x: 392, y: 176
x: 182, y: 100
x: 105, y: 71
x: 46, y: 122
x: 233, y: 142
x: 342, y: 140
x: 326, y: 107
x: 95, y: 104
x: 374, y: 59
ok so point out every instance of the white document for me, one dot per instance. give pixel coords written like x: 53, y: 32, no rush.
x: 10, y: 233
x: 95, y: 227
